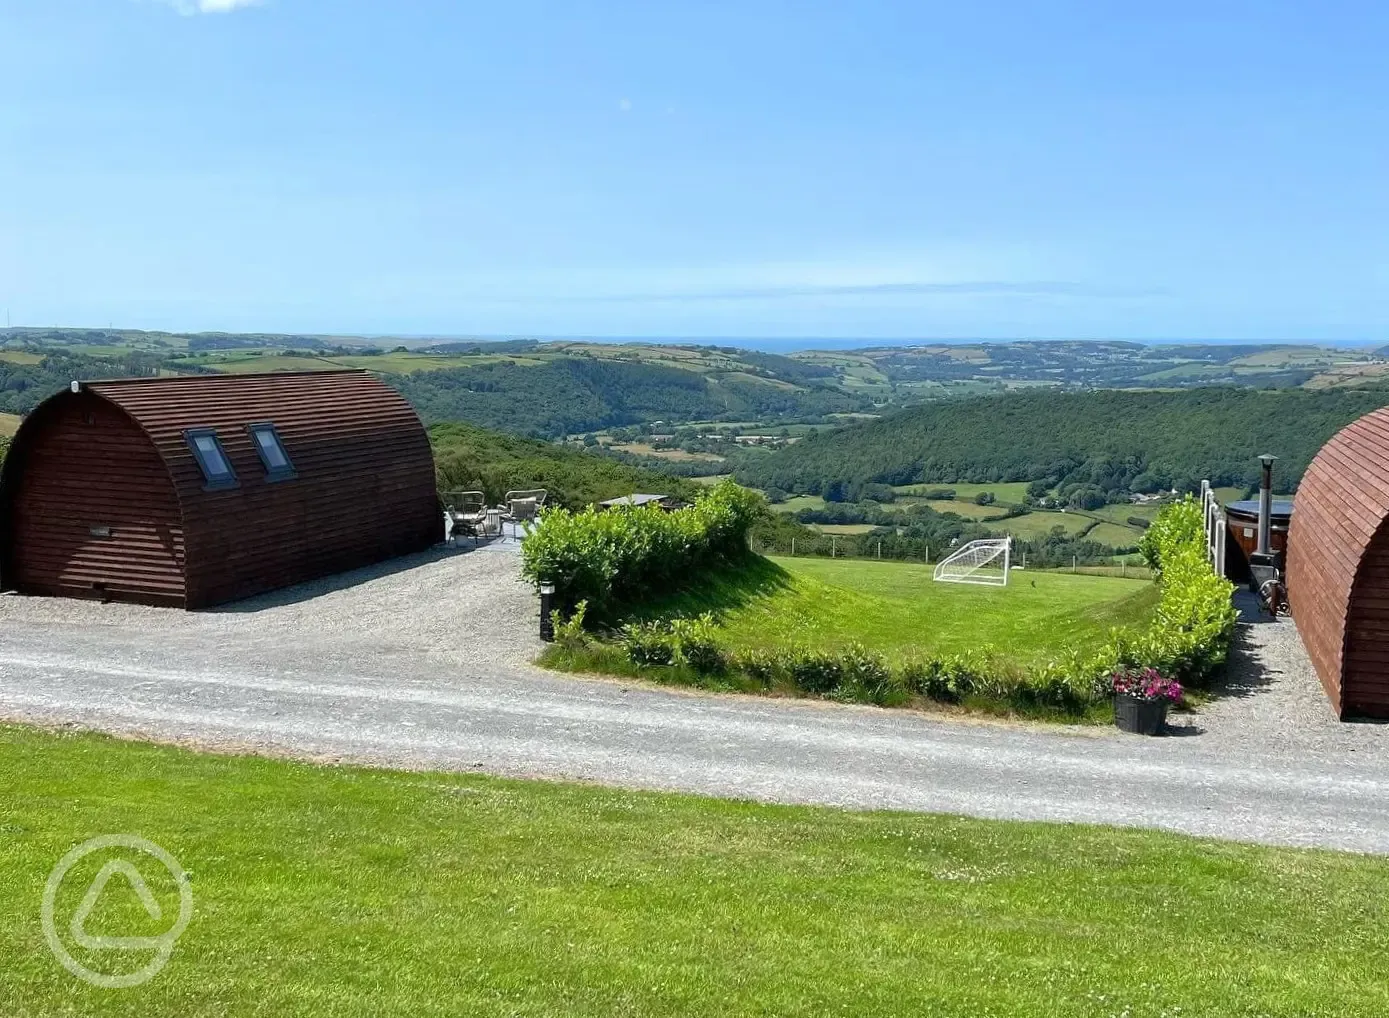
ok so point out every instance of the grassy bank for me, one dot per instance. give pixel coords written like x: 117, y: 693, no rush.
x: 349, y: 892
x: 896, y: 607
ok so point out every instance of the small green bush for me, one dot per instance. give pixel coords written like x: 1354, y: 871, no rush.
x: 570, y: 633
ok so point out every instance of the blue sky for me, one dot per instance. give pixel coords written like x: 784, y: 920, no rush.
x: 864, y: 169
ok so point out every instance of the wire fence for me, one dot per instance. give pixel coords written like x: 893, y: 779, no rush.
x: 868, y: 548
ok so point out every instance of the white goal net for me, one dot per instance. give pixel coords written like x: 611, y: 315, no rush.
x: 984, y: 561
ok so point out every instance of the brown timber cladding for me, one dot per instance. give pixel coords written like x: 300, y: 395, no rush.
x: 363, y: 489
x: 96, y: 508
x: 1338, y: 566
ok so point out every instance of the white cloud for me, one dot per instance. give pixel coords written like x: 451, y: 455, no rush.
x: 210, y: 6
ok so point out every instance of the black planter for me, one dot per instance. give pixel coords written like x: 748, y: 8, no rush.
x: 1142, y: 717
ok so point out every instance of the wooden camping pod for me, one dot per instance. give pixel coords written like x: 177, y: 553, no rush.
x: 103, y: 495
x: 1338, y: 567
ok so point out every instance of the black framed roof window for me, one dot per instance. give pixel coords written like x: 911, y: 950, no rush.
x: 212, y: 458
x: 271, y: 450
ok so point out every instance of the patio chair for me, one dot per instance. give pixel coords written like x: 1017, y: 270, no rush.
x: 467, y: 510
x: 521, y: 507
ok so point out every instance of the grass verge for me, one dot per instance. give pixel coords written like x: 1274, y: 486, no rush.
x: 347, y: 891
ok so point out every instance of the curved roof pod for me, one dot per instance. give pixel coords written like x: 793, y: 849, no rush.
x: 313, y: 473
x: 1338, y: 566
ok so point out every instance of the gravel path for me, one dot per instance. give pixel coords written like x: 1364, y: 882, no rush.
x: 424, y: 663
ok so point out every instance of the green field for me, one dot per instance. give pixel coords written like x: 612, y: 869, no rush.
x: 798, y: 502
x: 353, y: 892
x: 895, y: 607
x: 1120, y: 513
x: 960, y: 507
x: 1115, y: 536
x: 842, y: 529
x: 20, y: 357
x: 1007, y: 492
x: 1040, y: 524
x: 9, y: 424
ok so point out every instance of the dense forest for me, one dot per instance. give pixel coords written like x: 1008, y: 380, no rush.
x: 470, y: 458
x: 579, y: 394
x: 1115, y: 441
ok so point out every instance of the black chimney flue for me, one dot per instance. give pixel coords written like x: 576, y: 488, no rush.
x: 1266, y: 506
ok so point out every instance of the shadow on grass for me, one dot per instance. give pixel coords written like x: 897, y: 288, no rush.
x: 726, y: 588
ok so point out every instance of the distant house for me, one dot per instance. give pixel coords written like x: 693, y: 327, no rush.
x: 192, y: 491
x: 667, y: 502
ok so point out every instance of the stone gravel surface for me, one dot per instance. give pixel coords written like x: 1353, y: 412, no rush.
x: 424, y: 662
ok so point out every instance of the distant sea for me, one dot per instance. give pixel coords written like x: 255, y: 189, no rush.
x: 787, y: 345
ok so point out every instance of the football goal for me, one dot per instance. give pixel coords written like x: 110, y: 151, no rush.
x: 985, y: 561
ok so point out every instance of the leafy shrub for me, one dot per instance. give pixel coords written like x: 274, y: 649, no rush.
x: 622, y: 554
x: 814, y: 671
x: 570, y: 633
x: 688, y: 642
x: 1189, y: 639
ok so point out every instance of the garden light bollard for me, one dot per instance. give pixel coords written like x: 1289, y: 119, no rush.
x: 547, y: 624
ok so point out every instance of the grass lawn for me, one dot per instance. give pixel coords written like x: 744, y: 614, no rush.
x: 9, y: 423
x: 893, y: 607
x: 353, y: 892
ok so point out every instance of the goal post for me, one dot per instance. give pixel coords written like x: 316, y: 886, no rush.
x: 985, y: 561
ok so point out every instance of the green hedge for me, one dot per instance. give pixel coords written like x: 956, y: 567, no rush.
x: 620, y: 555
x: 1188, y: 640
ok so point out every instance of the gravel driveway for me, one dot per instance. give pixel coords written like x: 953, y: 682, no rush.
x: 424, y: 663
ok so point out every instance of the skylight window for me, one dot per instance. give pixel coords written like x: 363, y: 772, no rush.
x: 272, y: 452
x: 212, y: 458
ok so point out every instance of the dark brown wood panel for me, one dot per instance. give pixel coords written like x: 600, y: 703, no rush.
x: 1338, y: 567
x: 92, y: 510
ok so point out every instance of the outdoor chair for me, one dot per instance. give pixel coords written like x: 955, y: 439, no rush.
x: 520, y: 508
x: 467, y: 511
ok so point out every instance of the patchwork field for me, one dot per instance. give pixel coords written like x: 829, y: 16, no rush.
x: 893, y: 607
x: 348, y: 891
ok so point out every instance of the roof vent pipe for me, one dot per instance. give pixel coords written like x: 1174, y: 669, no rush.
x: 75, y: 385
x: 1265, y: 548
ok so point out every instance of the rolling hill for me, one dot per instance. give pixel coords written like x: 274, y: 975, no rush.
x: 1112, y: 439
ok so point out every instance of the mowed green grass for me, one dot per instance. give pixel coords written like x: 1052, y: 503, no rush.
x: 896, y: 608
x: 355, y: 892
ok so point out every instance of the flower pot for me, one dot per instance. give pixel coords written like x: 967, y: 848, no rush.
x: 1142, y: 717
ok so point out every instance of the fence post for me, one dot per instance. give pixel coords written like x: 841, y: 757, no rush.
x: 834, y: 544
x: 880, y: 551
x: 1073, y: 563
x: 793, y: 547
